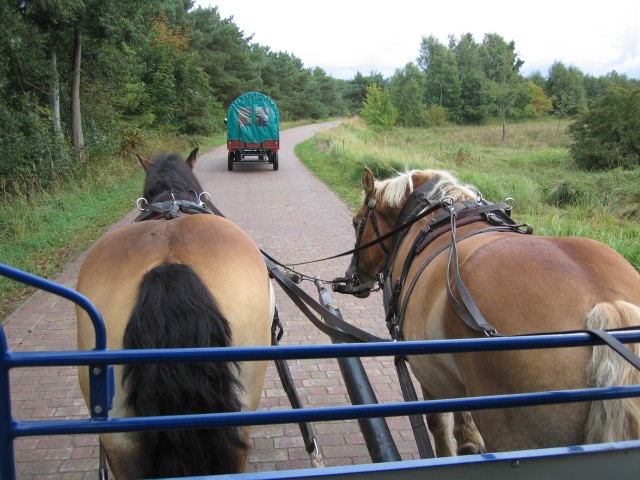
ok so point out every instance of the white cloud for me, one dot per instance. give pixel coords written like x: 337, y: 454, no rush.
x: 342, y: 36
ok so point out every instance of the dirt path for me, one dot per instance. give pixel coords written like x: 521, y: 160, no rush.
x: 293, y: 217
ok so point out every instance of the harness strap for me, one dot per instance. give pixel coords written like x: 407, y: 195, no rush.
x: 103, y: 468
x: 466, y: 309
x: 400, y: 317
x: 417, y: 421
x: 343, y: 331
x: 169, y: 209
x: 376, y: 241
x: 306, y: 429
x: 458, y: 214
x: 616, y: 345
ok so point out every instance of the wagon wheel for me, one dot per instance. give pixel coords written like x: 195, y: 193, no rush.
x: 230, y: 161
x: 275, y: 160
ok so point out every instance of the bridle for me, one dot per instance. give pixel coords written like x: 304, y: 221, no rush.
x: 371, y: 212
x: 416, y: 207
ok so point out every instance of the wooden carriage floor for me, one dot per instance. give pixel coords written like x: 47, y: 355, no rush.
x: 294, y: 218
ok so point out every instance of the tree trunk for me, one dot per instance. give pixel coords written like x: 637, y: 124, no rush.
x: 54, y: 93
x: 504, y: 124
x: 76, y: 120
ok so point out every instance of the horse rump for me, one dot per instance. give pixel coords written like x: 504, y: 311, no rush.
x: 613, y: 420
x: 175, y: 310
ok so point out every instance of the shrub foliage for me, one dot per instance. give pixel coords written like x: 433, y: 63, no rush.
x: 607, y: 136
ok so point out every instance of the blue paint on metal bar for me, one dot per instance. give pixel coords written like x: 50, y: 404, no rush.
x: 287, y: 352
x: 272, y: 417
x: 476, y: 465
x: 7, y: 425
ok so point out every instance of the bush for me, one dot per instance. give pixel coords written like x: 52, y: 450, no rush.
x: 30, y: 152
x: 436, y: 116
x: 607, y: 136
x: 377, y: 109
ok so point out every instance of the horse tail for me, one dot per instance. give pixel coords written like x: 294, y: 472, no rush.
x: 175, y: 310
x: 613, y: 420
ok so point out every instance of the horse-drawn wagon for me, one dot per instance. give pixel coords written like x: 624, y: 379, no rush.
x: 595, y: 460
x: 253, y: 130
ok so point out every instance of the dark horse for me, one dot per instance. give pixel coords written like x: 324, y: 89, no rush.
x: 178, y: 280
x: 473, y: 273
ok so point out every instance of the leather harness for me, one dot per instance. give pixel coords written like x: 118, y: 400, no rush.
x: 452, y: 215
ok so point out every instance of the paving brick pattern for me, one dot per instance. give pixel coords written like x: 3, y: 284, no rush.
x: 294, y: 218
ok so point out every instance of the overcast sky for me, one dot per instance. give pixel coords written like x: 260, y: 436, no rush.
x: 346, y: 36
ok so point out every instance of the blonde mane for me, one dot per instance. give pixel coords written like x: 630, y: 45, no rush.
x: 394, y: 191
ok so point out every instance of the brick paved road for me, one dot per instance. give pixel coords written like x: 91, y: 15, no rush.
x: 294, y: 218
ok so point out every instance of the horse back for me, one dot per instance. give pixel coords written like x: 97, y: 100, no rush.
x: 212, y: 252
x: 527, y: 283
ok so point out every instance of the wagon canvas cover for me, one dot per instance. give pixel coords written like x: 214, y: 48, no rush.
x: 253, y: 118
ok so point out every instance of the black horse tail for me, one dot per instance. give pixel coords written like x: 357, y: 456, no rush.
x: 176, y: 310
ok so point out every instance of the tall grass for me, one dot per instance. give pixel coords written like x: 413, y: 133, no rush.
x: 533, y: 166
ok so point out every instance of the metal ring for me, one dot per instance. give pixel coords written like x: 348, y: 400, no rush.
x: 511, y: 202
x: 479, y: 198
x: 139, y: 202
x: 447, y: 202
x: 371, y: 203
x: 206, y: 199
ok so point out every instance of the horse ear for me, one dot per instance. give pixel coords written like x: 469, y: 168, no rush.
x: 191, y: 161
x: 367, y: 182
x: 144, y: 162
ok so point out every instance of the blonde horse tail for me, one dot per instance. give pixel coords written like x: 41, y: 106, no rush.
x: 176, y: 310
x: 613, y: 420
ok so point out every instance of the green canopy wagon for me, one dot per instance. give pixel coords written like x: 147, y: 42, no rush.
x: 253, y: 130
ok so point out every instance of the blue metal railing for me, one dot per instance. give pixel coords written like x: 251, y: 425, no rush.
x: 102, y: 359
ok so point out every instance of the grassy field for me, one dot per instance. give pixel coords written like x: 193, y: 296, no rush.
x: 533, y: 166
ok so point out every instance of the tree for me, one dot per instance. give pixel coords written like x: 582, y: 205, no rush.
x: 441, y: 76
x: 505, y: 85
x: 537, y: 79
x: 224, y: 54
x: 540, y: 104
x: 407, y: 90
x: 56, y: 21
x: 473, y: 96
x: 355, y: 90
x: 377, y: 109
x: 565, y: 87
x: 76, y: 117
x: 608, y: 134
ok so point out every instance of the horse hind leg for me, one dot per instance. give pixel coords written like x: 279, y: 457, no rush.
x: 441, y: 429
x: 469, y: 440
x: 613, y: 420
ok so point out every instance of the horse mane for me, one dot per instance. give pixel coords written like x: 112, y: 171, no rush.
x: 169, y: 173
x: 394, y: 191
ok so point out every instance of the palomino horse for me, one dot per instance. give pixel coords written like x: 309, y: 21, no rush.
x: 178, y: 280
x: 464, y: 268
